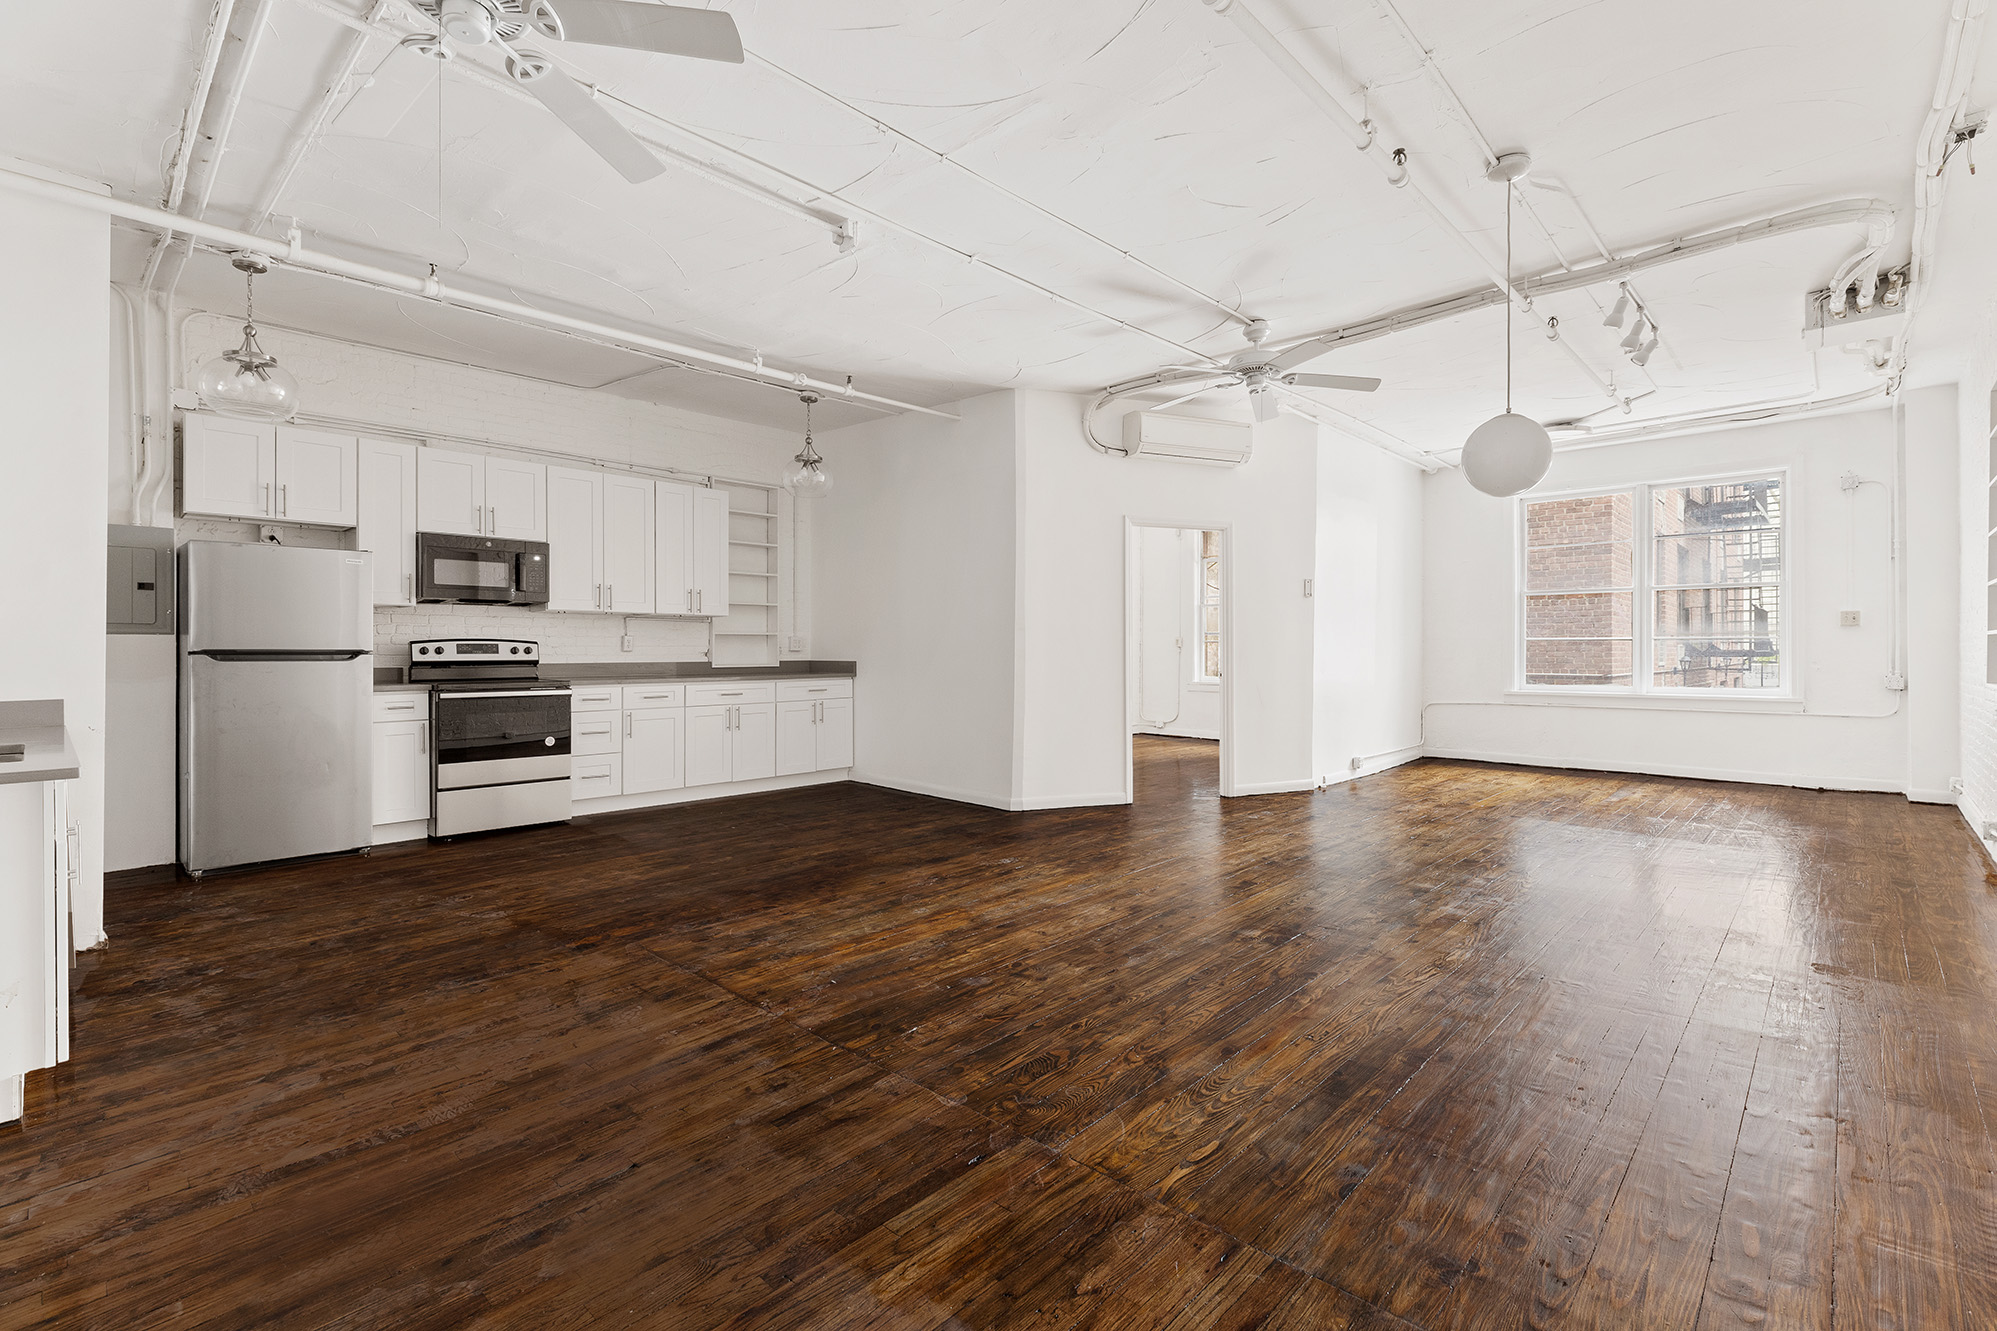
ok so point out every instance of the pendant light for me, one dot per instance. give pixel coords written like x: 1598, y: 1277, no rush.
x: 1508, y: 454
x: 806, y: 477
x: 248, y: 382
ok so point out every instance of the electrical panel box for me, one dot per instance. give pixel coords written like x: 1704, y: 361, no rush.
x: 138, y: 580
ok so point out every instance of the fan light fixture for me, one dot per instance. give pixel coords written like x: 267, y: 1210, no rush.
x: 806, y: 477
x: 248, y: 383
x: 1508, y: 454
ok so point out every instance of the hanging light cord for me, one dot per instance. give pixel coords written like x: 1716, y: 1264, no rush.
x: 1508, y: 303
x: 249, y: 298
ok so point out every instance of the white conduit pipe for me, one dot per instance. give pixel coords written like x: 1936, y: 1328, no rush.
x: 1333, y: 419
x: 315, y: 124
x: 190, y: 124
x: 141, y: 458
x: 1695, y: 421
x: 1951, y: 97
x: 430, y: 288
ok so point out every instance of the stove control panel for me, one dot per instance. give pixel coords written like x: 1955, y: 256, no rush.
x: 475, y: 651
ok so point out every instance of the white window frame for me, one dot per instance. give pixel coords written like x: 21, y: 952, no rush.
x: 1643, y: 594
x: 1200, y: 678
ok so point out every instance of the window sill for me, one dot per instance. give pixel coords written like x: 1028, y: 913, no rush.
x: 1662, y: 702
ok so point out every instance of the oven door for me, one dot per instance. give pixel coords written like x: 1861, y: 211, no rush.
x: 501, y: 737
x: 463, y: 568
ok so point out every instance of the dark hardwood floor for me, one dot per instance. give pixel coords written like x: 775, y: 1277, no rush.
x: 1450, y: 1046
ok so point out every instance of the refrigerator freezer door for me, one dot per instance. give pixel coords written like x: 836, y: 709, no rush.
x: 276, y: 759
x: 275, y: 598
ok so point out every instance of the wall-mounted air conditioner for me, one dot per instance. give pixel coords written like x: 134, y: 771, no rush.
x: 1153, y: 434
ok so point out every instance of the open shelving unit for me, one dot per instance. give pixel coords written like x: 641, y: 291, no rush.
x: 751, y: 633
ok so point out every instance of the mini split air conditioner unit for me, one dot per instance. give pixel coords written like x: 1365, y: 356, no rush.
x: 1153, y: 434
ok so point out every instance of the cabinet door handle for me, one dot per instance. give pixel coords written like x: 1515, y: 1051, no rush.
x: 266, y: 498
x: 700, y: 599
x: 627, y: 725
x: 409, y: 586
x: 284, y: 500
x: 609, y: 596
x: 399, y: 707
x: 422, y: 739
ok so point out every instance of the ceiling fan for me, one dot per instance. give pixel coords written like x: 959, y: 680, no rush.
x: 634, y: 25
x: 1265, y: 376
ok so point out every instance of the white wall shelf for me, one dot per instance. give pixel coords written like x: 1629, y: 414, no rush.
x: 750, y: 633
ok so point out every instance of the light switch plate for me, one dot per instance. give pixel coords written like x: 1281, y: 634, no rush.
x: 1848, y: 619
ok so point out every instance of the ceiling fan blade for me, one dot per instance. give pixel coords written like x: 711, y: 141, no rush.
x: 1300, y: 354
x: 1266, y: 404
x: 593, y: 125
x: 704, y: 34
x: 1351, y: 383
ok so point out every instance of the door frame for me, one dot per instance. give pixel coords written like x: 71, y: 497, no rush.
x: 1131, y: 526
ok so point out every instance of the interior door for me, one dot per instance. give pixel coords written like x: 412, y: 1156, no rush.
x: 709, y: 745
x: 672, y: 586
x: 654, y: 749
x: 450, y: 492
x: 628, y: 563
x: 516, y: 499
x: 710, y: 552
x: 797, y: 737
x: 228, y: 467
x: 318, y: 473
x: 386, y: 517
x: 755, y: 741
x: 575, y: 548
x: 835, y: 733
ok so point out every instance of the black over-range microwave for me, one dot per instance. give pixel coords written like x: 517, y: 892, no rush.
x: 482, y: 569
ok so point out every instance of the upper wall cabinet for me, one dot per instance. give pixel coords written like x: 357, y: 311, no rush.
x: 388, y: 517
x: 692, y: 547
x: 471, y: 495
x: 281, y: 473
x: 575, y: 544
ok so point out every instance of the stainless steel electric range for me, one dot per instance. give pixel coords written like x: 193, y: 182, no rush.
x: 501, y: 756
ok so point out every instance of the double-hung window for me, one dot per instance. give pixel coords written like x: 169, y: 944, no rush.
x: 1206, y: 609
x: 1656, y: 588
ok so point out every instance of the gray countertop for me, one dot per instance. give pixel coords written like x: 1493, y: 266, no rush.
x: 50, y: 756
x: 390, y: 678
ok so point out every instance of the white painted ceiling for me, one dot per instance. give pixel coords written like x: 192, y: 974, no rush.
x: 1078, y: 133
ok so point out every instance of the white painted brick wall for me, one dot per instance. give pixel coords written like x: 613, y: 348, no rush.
x: 1979, y: 699
x: 416, y: 394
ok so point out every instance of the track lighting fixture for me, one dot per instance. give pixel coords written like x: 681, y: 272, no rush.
x: 1634, y: 337
x: 1619, y: 313
x: 1644, y: 352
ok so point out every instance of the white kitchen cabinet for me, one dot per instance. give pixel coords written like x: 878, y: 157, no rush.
x: 692, y: 548
x: 626, y: 543
x: 815, y: 735
x: 318, y: 476
x: 575, y: 542
x: 387, y: 517
x: 276, y: 473
x: 516, y: 499
x: 468, y: 494
x: 654, y: 749
x: 597, y: 777
x: 594, y: 734
x: 710, y: 744
x: 753, y: 744
x: 37, y: 871
x: 228, y: 468
x: 450, y: 492
x: 401, y: 771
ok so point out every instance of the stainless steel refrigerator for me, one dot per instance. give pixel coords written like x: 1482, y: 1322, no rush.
x: 276, y: 677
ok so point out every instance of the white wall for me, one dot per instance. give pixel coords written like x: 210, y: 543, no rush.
x: 55, y: 368
x: 1074, y: 503
x: 1368, y: 665
x: 1164, y: 648
x: 1976, y: 697
x: 415, y: 394
x: 1848, y: 731
x: 916, y: 581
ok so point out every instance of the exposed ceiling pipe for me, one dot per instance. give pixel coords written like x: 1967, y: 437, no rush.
x: 1847, y: 212
x: 218, y: 118
x: 1692, y: 422
x: 1931, y: 154
x: 430, y: 287
x: 843, y: 226
x: 1331, y: 418
x: 190, y: 123
x: 1391, y: 166
x: 314, y: 124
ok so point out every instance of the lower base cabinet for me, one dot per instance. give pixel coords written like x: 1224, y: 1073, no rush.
x: 730, y: 742
x: 814, y: 736
x: 401, y: 758
x: 654, y: 749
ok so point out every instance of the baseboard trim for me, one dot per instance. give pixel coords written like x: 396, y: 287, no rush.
x: 1665, y: 769
x: 140, y: 877
x: 389, y: 833
x: 1271, y: 787
x: 13, y: 1096
x: 1973, y: 816
x: 1920, y: 796
x: 1176, y: 734
x: 659, y: 799
x: 1068, y: 801
x: 928, y: 791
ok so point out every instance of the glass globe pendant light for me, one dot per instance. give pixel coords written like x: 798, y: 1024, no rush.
x: 248, y: 383
x: 1508, y: 454
x: 806, y: 476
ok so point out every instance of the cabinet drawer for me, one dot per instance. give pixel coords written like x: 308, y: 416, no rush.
x: 731, y: 695
x: 399, y: 706
x: 813, y: 690
x: 596, y: 698
x: 655, y: 695
x: 596, y: 732
x: 594, y: 777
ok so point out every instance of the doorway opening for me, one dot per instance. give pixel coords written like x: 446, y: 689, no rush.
x: 1176, y: 626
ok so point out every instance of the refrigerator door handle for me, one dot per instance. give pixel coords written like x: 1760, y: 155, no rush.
x: 281, y: 656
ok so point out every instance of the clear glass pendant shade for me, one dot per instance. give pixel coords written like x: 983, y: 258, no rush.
x: 805, y: 477
x: 248, y: 384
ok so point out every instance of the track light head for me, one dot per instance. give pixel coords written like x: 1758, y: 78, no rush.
x: 1644, y: 352
x: 1634, y: 337
x: 1619, y: 313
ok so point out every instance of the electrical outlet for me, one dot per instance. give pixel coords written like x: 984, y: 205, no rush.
x: 1848, y: 619
x: 1896, y: 681
x: 1358, y: 763
x: 624, y: 643
x: 1955, y: 785
x: 1990, y: 831
x: 794, y: 644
